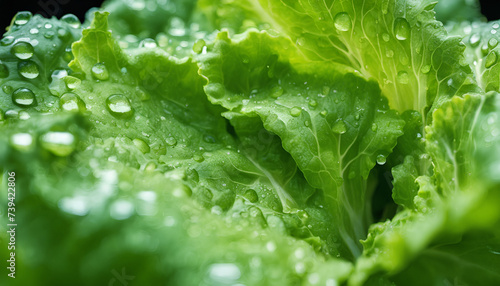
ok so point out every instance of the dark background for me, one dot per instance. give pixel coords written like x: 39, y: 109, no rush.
x: 78, y: 7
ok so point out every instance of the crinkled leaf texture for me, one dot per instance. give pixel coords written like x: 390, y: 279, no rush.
x: 220, y: 142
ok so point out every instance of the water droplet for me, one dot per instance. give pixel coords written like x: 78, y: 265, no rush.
x: 141, y: 145
x: 68, y: 54
x: 7, y: 40
x: 401, y: 29
x: 4, y: 71
x: 100, y: 72
x: 301, y: 41
x: 24, y: 115
x: 389, y: 53
x: 28, y: 69
x: 22, y: 18
x: 295, y: 111
x: 148, y: 43
x: 198, y: 158
x: 58, y: 143
x: 23, y: 97
x: 381, y: 159
x: 22, y: 50
x: 48, y: 26
x: 276, y: 91
x: 7, y: 89
x: 403, y: 77
x: 339, y: 127
x: 474, y: 40
x: 425, y: 69
x: 342, y: 22
x: 198, y: 46
x: 209, y: 139
x: 71, y: 20
x: 386, y: 37
x: 352, y: 175
x: 48, y: 35
x: 491, y: 59
x: 492, y: 43
x: 251, y: 195
x: 313, y: 103
x: 34, y: 31
x: 119, y: 106
x: 62, y: 33
x: 121, y: 209
x: 72, y: 82
x: 224, y: 274
x: 72, y: 102
x: 21, y: 141
x: 323, y: 113
x: 374, y: 127
x: 171, y: 141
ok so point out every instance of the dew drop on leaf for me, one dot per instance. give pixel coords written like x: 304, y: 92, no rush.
x: 339, y: 127
x: 403, y: 77
x: 381, y: 159
x: 71, y: 20
x: 492, y: 43
x: 295, y: 111
x: 119, y: 106
x: 23, y: 97
x: 401, y: 29
x: 28, y: 69
x: 99, y: 71
x: 7, y: 40
x: 22, y: 50
x: 491, y: 59
x: 474, y: 40
x: 342, y: 22
x: 4, y: 71
x: 72, y: 102
x: 425, y: 69
x: 58, y: 143
x: 22, y: 18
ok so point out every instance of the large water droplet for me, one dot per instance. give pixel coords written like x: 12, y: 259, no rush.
x: 58, y: 143
x: 4, y: 71
x: 171, y: 141
x: 295, y: 111
x: 7, y: 89
x: 403, y: 77
x: 276, y: 91
x: 21, y: 141
x: 72, y: 82
x: 224, y: 274
x: 425, y: 69
x: 22, y: 50
x: 23, y: 97
x: 119, y: 106
x: 251, y: 195
x: 474, y: 40
x: 339, y: 127
x: 72, y: 102
x: 141, y: 145
x: 342, y: 22
x: 492, y: 43
x: 198, y: 46
x: 28, y: 69
x: 491, y: 59
x: 401, y: 29
x: 381, y: 159
x: 71, y: 20
x: 100, y: 72
x: 386, y: 37
x: 7, y: 40
x: 22, y: 18
x: 148, y: 43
